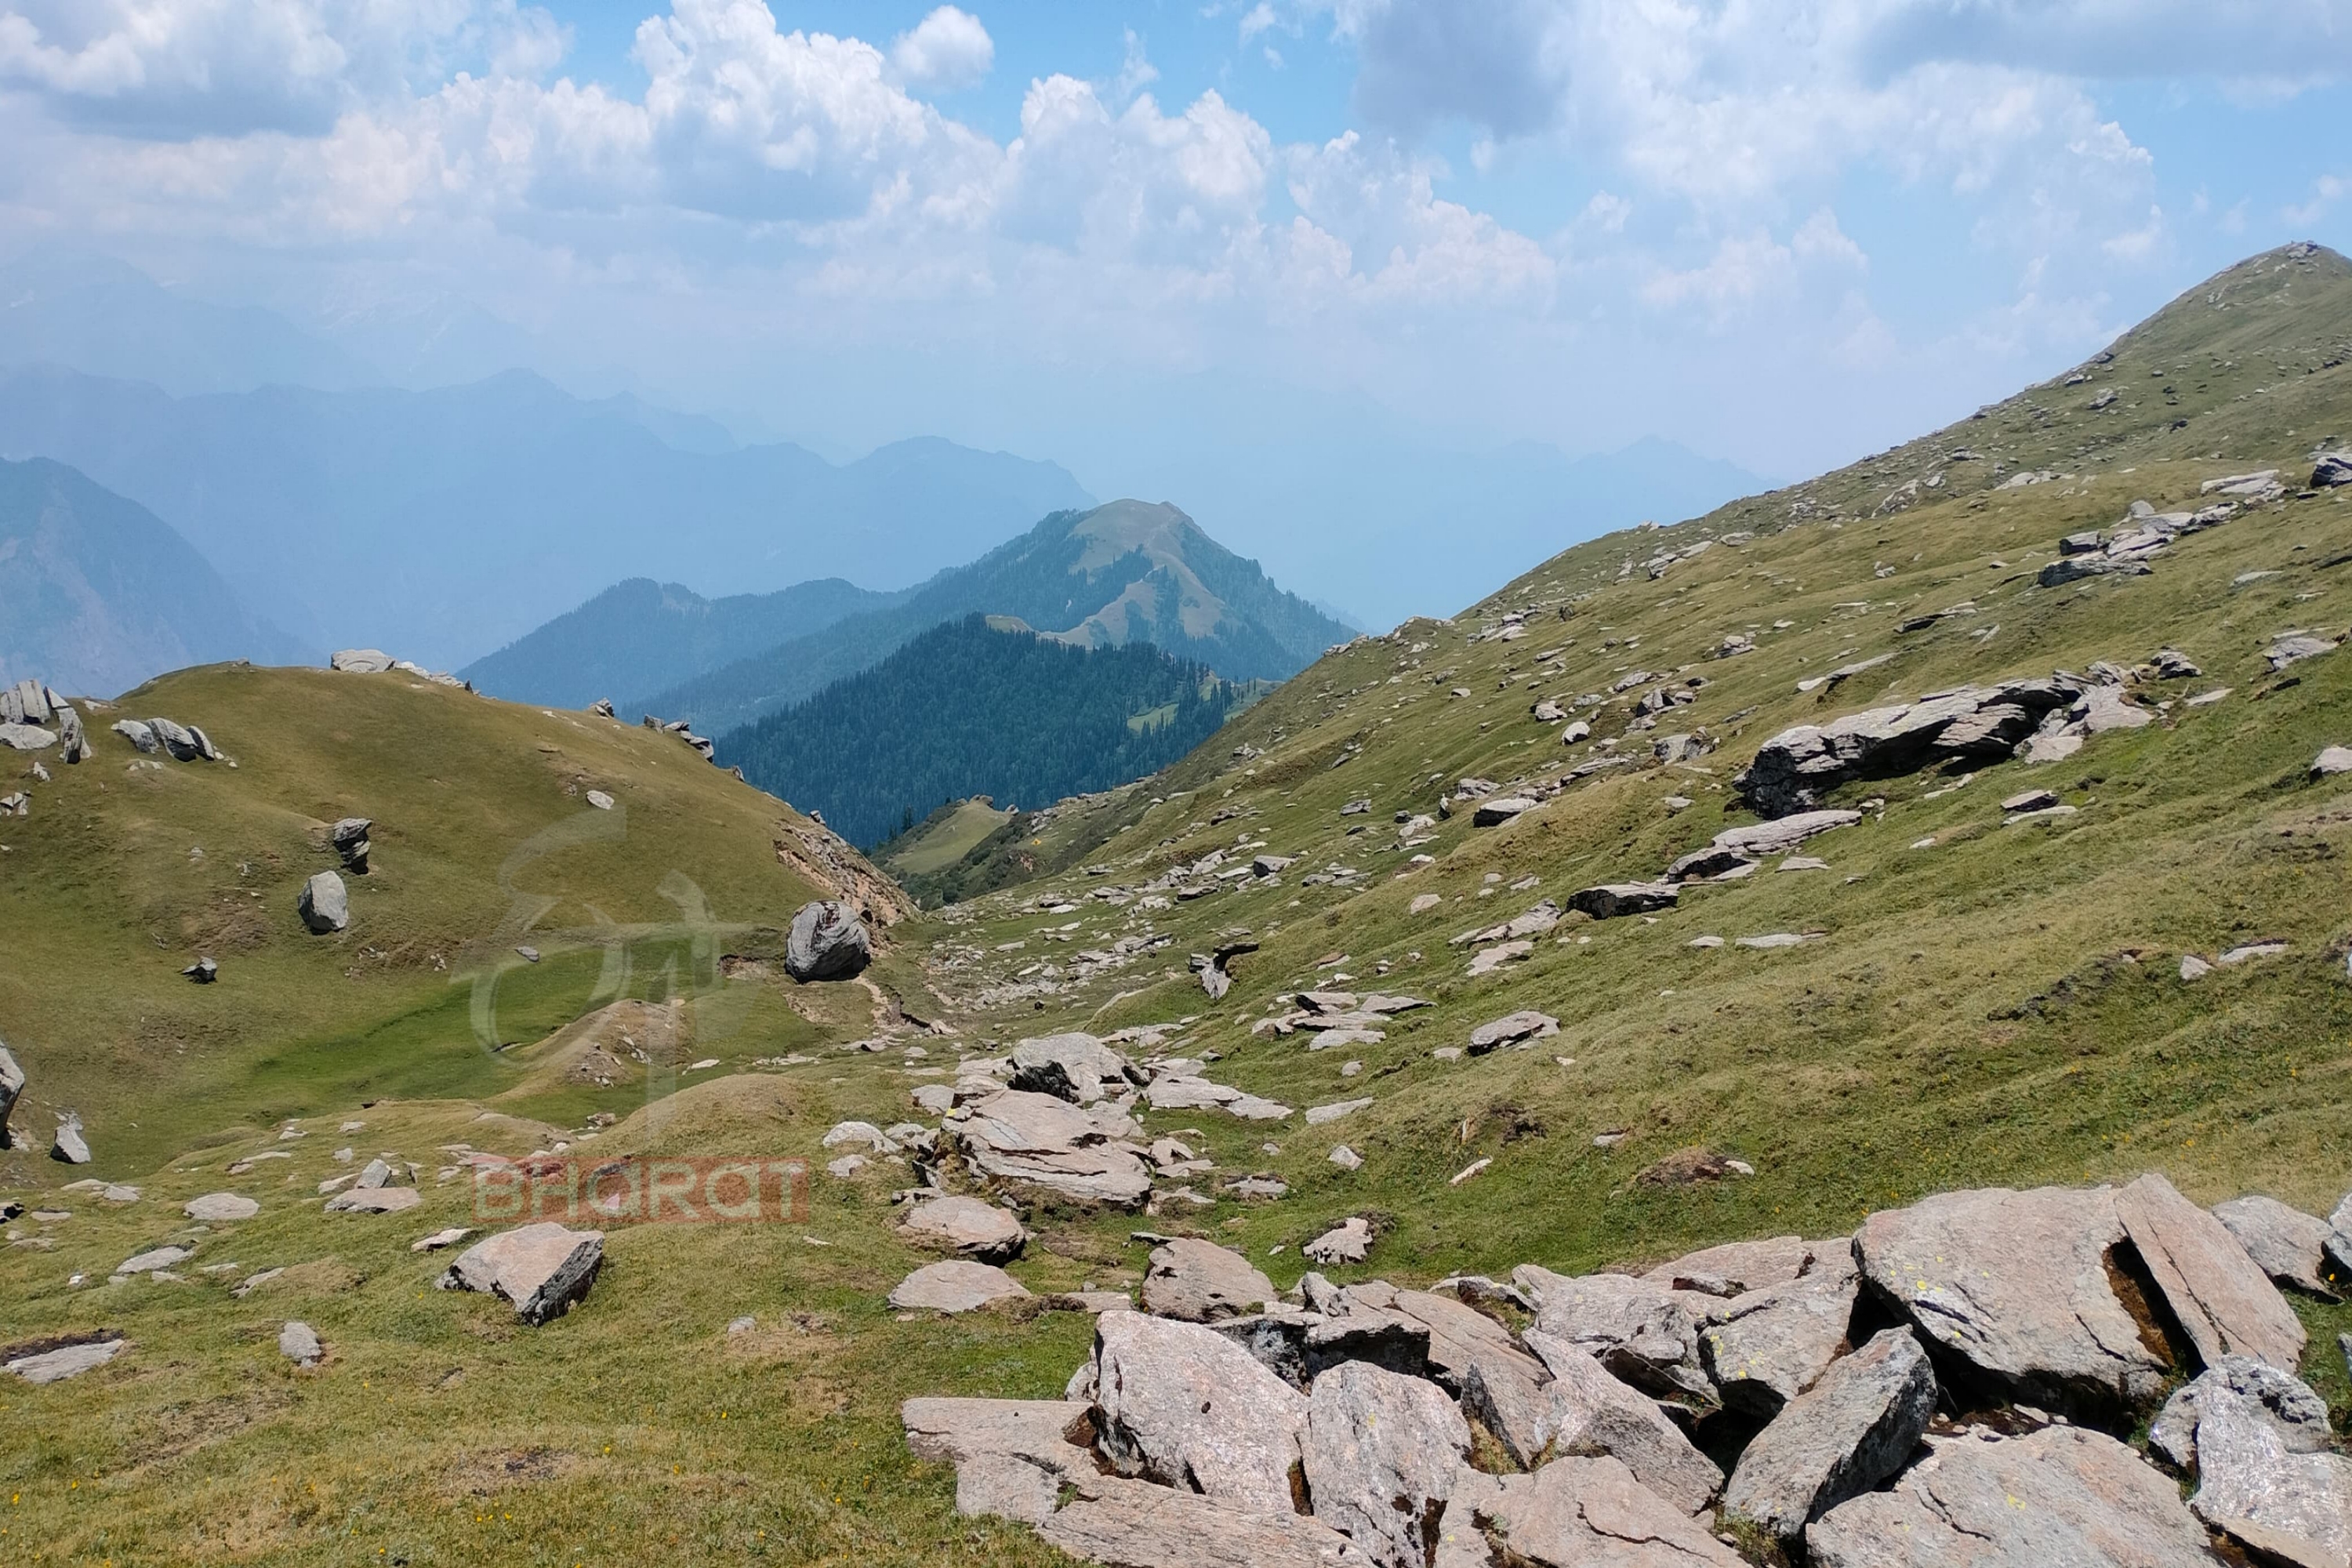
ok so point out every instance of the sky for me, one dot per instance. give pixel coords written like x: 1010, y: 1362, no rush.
x: 1176, y: 246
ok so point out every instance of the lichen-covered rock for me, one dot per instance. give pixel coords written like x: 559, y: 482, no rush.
x: 1852, y: 1430
x: 1181, y: 1404
x: 1380, y: 1452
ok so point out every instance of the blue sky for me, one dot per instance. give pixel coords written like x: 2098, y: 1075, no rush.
x: 1191, y: 250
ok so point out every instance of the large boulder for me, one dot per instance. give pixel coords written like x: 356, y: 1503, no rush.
x: 955, y: 1286
x: 324, y: 904
x: 2012, y: 1290
x: 1200, y: 1282
x: 1591, y: 1513
x: 1138, y: 1525
x: 967, y: 1228
x: 1011, y: 1457
x: 1077, y: 1068
x: 2060, y: 1498
x: 2331, y: 470
x: 1613, y: 900
x: 26, y: 737
x: 1734, y: 847
x: 1461, y: 1339
x: 12, y: 1085
x: 1765, y: 1346
x: 542, y: 1269
x: 828, y: 941
x: 1636, y: 1327
x: 1036, y: 1141
x: 350, y: 838
x: 1590, y: 1412
x: 2286, y: 1402
x: 1380, y: 1453
x: 2287, y: 1503
x: 1852, y: 1430
x: 2285, y: 1242
x: 1796, y: 767
x: 2222, y: 1300
x: 73, y: 739
x: 1181, y: 1404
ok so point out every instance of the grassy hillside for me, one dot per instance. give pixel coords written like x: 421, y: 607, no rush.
x: 1974, y: 1001
x: 941, y: 839
x: 126, y: 872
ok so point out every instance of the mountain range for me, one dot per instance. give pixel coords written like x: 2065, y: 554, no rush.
x: 1126, y: 571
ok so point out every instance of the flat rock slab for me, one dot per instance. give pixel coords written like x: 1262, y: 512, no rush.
x: 2224, y: 1301
x: 1349, y: 1241
x: 2059, y: 1498
x: 542, y: 1269
x: 1133, y: 1524
x: 1011, y: 1457
x: 67, y: 1361
x: 1183, y: 1406
x: 1077, y: 1068
x: 955, y: 1286
x: 1590, y: 1412
x: 2285, y: 1242
x: 967, y: 1228
x: 375, y: 1200
x: 1198, y: 1281
x: 1591, y: 1513
x: 213, y: 1207
x: 2014, y: 1285
x: 1851, y: 1431
x: 1461, y: 1337
x: 299, y: 1343
x: 148, y: 1262
x: 1510, y: 1029
x: 1380, y: 1453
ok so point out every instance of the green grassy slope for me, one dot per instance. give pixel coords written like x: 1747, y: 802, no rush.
x: 950, y: 832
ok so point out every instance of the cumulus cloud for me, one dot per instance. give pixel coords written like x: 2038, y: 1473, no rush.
x: 947, y: 50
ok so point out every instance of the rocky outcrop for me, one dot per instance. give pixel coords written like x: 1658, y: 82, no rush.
x: 1143, y: 1526
x: 1795, y: 768
x: 1737, y: 847
x: 1182, y: 1405
x: 1587, y: 1411
x: 1593, y: 1513
x: 1380, y: 1453
x: 1765, y: 1346
x: 2059, y: 1498
x: 1077, y: 1068
x: 1635, y: 1328
x: 828, y: 941
x: 2222, y: 1298
x: 954, y: 1287
x: 324, y: 903
x: 967, y: 1228
x: 1853, y: 1430
x: 541, y: 1270
x: 1198, y: 1282
x: 2012, y: 1290
x: 1084, y: 1156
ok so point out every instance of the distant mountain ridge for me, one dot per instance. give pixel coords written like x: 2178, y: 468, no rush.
x: 1126, y: 572
x: 641, y: 633
x: 442, y: 525
x: 98, y: 595
x: 976, y: 708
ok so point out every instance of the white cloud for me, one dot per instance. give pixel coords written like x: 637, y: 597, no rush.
x: 948, y: 49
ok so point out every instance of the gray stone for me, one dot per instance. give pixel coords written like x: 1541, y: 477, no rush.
x: 2286, y: 1503
x: 67, y: 1147
x: 26, y: 737
x: 1133, y: 1524
x: 1183, y: 1406
x: 184, y: 744
x: 141, y: 736
x: 1200, y: 1282
x: 967, y: 1228
x: 542, y: 1269
x: 2297, y: 647
x: 956, y: 1286
x: 2331, y: 469
x: 361, y: 662
x: 325, y: 905
x: 12, y: 1085
x: 2332, y: 761
x: 67, y: 1361
x: 1738, y: 1267
x: 215, y: 1207
x: 1461, y: 1338
x: 1349, y: 1241
x: 298, y: 1344
x: 1616, y: 898
x: 1011, y: 1457
x: 2060, y: 1498
x: 1635, y: 1328
x: 1795, y: 767
x: 1511, y: 1030
x: 1496, y: 810
x: 376, y: 1173
x: 2222, y: 1300
x: 1380, y: 1452
x: 375, y: 1200
x: 2286, y: 1402
x: 1753, y: 840
x: 1765, y: 1347
x: 1852, y: 1430
x: 2285, y: 1242
x: 1318, y: 1115
x: 157, y: 1258
x: 204, y: 971
x: 1591, y: 1513
x: 1589, y: 1412
x: 2015, y: 1285
x: 1077, y: 1068
x: 350, y: 839
x: 1037, y: 1140
x: 828, y: 941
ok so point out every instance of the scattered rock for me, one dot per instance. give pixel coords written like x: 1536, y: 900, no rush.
x: 2331, y: 469
x: 1198, y: 1282
x: 1512, y: 1029
x: 2052, y: 1499
x: 1686, y: 1167
x: 2031, y: 800
x: 2333, y: 759
x: 441, y: 1238
x: 1853, y: 1429
x: 324, y: 904
x: 204, y: 971
x: 1077, y: 1068
x: 1496, y: 810
x: 1380, y: 1453
x: 1765, y: 1346
x: 1794, y: 768
x: 1011, y: 1457
x: 298, y: 1344
x: 967, y: 1228
x: 153, y: 1259
x: 1351, y: 1241
x: 217, y: 1207
x: 1317, y: 1115
x: 956, y: 1286
x: 828, y: 941
x: 1502, y: 952
x: 2294, y: 647
x: 67, y: 1361
x: 1613, y: 899
x: 375, y: 1200
x: 348, y: 838
x: 2193, y: 967
x: 1037, y: 1140
x: 69, y: 1148
x: 361, y: 662
x: 12, y: 1085
x: 1183, y: 1406
x: 542, y: 1269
